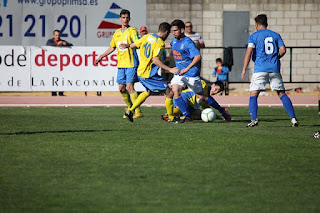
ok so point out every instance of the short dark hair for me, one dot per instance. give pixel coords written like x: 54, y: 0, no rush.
x: 124, y: 11
x: 178, y: 23
x: 262, y: 20
x: 220, y: 84
x: 56, y: 31
x: 164, y: 26
x: 219, y: 60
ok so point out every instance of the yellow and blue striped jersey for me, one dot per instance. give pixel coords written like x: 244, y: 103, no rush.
x: 189, y: 96
x: 150, y: 45
x: 127, y: 58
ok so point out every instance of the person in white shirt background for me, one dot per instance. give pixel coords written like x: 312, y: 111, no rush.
x: 195, y: 37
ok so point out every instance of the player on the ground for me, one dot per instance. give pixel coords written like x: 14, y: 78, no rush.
x: 127, y: 60
x: 187, y: 57
x: 266, y: 48
x: 151, y: 48
x: 194, y: 104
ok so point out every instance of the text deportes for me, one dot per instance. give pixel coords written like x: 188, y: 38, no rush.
x: 64, y: 60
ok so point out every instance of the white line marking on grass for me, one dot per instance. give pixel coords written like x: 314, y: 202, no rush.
x: 144, y: 105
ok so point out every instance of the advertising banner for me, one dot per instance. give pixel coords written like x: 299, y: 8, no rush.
x: 14, y: 68
x: 57, y: 69
x: 81, y: 22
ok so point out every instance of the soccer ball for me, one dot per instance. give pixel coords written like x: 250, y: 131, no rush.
x: 208, y: 115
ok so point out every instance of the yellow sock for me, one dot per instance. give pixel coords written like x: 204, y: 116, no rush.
x: 176, y: 111
x: 141, y: 98
x: 126, y: 98
x: 134, y: 97
x: 169, y: 106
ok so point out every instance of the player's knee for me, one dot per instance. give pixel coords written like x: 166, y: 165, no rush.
x: 168, y: 93
x: 122, y: 89
x: 176, y: 92
x: 280, y: 93
x: 130, y: 88
x: 254, y: 93
x: 176, y: 95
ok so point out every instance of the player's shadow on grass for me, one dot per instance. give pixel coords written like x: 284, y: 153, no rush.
x: 267, y: 120
x: 50, y: 132
x: 274, y: 119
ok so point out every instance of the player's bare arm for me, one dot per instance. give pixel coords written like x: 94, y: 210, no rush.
x: 195, y: 60
x: 106, y: 53
x: 246, y: 62
x: 156, y: 61
x: 124, y: 46
x: 168, y: 46
x: 282, y: 51
x: 133, y: 46
x: 201, y: 44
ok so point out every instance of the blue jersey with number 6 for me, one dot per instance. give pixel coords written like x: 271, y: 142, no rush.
x: 266, y: 44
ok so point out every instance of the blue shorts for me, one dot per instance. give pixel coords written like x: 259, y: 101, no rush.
x: 156, y: 82
x: 127, y: 75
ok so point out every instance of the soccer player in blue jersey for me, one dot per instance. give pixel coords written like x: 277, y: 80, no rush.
x: 266, y: 48
x: 187, y: 57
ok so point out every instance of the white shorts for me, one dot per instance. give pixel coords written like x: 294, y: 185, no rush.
x: 193, y: 83
x: 260, y: 79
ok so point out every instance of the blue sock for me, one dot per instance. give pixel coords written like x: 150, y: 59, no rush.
x: 253, y: 107
x: 183, y: 107
x: 288, y: 105
x: 215, y: 104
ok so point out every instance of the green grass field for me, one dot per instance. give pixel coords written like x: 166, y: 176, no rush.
x: 92, y: 160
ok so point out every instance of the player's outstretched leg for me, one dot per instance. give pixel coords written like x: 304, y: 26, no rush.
x: 287, y: 104
x: 134, y: 96
x: 138, y: 113
x: 224, y: 112
x: 213, y: 103
x: 141, y: 98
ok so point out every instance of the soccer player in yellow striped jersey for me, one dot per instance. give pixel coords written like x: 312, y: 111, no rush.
x: 151, y: 49
x: 128, y: 61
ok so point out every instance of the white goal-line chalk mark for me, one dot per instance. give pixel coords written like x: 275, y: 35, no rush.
x: 143, y: 105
